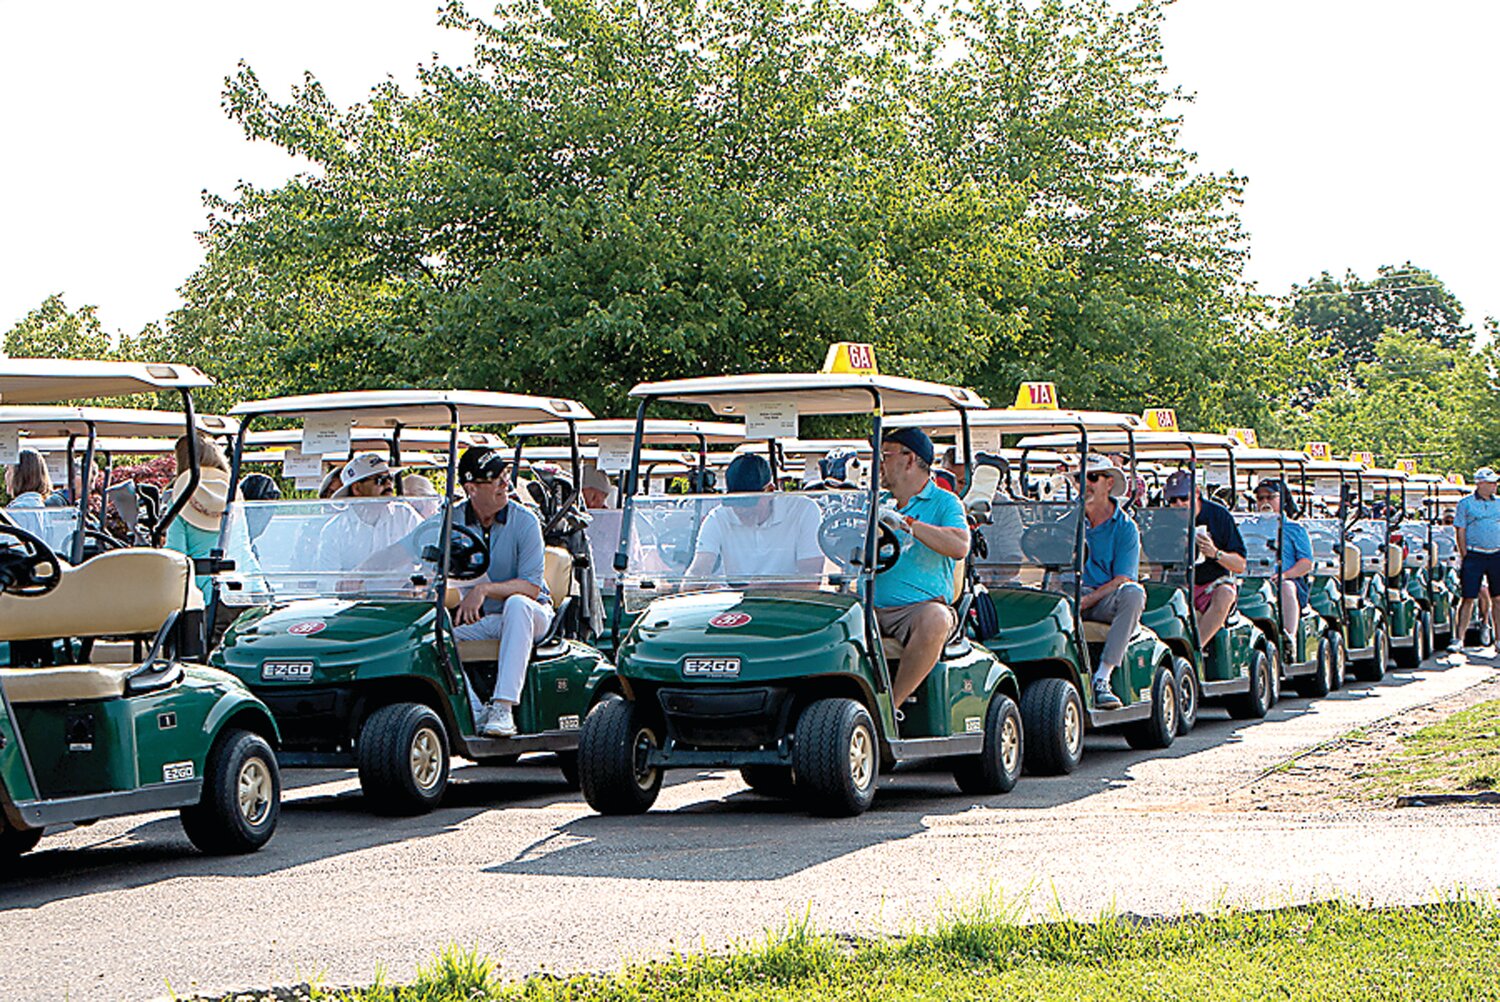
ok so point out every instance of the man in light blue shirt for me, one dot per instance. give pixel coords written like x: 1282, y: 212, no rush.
x: 914, y: 599
x: 1111, y: 592
x: 1477, y: 519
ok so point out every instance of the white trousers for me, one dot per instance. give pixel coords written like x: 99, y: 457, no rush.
x: 518, y: 625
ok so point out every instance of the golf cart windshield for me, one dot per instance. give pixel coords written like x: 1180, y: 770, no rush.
x: 604, y: 543
x: 1028, y: 544
x: 1447, y: 544
x: 1325, y: 536
x: 1369, y: 535
x: 704, y: 542
x: 54, y: 526
x: 1259, y: 531
x: 349, y: 548
x: 1165, y: 554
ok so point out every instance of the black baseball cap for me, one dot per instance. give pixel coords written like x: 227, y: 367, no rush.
x: 480, y: 462
x: 913, y: 439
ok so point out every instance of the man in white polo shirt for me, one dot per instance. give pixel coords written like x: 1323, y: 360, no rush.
x: 770, y: 536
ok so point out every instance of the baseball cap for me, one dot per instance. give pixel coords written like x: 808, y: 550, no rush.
x: 914, y: 439
x: 1179, y: 485
x: 480, y: 462
x: 362, y: 467
x: 1486, y: 475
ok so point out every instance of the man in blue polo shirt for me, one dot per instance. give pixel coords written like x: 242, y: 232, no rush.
x: 511, y: 603
x: 1111, y: 591
x: 1477, y: 519
x: 914, y: 599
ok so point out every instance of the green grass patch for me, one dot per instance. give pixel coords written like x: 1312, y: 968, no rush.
x: 1324, y: 951
x: 1458, y: 755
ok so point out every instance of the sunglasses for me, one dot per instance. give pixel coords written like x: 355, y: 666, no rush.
x: 383, y: 479
x: 1264, y: 497
x: 1095, y: 477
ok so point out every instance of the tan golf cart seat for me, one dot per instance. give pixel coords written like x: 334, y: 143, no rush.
x: 129, y: 593
x: 557, y: 571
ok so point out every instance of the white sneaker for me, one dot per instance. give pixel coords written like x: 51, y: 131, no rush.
x: 481, y: 713
x: 501, y: 722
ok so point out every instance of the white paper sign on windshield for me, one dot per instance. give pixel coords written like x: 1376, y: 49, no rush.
x: 770, y: 419
x: 324, y: 433
x: 985, y: 440
x: 309, y: 483
x: 300, y: 466
x: 10, y: 445
x: 57, y: 468
x: 810, y: 470
x: 614, y: 454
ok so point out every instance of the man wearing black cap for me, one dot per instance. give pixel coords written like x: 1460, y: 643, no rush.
x: 1221, y: 555
x: 766, y: 535
x: 914, y: 599
x: 511, y: 604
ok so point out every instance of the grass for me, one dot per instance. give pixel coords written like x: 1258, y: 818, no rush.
x: 1458, y: 755
x: 1335, y: 951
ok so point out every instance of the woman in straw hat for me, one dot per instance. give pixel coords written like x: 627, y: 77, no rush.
x: 195, y: 530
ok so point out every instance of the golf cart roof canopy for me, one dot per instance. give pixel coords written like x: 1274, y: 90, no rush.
x: 658, y: 431
x: 59, y: 380
x: 409, y: 460
x: 811, y: 393
x: 373, y: 438
x: 429, y: 408
x: 1271, y: 459
x: 120, y: 422
x: 115, y: 445
x: 1332, y: 469
x: 1385, y: 473
x: 1153, y: 444
x: 815, y: 446
x: 1020, y: 421
x: 590, y: 453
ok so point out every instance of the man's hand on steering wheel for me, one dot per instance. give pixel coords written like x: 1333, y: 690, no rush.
x: 30, y: 570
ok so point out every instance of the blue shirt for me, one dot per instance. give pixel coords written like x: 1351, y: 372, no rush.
x: 1295, y: 545
x: 921, y: 574
x: 1114, y: 549
x: 516, y: 548
x: 1480, y: 521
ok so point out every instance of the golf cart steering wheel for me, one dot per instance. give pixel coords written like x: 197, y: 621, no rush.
x: 468, y: 555
x: 29, y: 570
x: 842, y: 539
x: 96, y: 542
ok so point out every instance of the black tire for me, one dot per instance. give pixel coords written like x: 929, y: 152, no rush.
x: 567, y: 762
x: 996, y: 769
x: 770, y: 780
x: 1320, y: 682
x: 1256, y: 703
x: 403, y: 759
x: 1160, y: 729
x: 1340, y: 659
x: 1372, y: 668
x: 836, y: 757
x: 241, y: 800
x: 614, y: 739
x: 17, y: 841
x: 1189, y: 695
x: 1053, y: 721
x: 1411, y: 656
x: 1426, y: 636
x: 1273, y: 652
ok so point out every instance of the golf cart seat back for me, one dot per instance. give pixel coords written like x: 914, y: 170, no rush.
x: 66, y: 683
x: 1394, y: 558
x: 1095, y: 632
x: 122, y: 593
x: 1351, y: 568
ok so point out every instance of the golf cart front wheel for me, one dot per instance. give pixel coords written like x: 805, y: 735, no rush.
x: 1160, y: 729
x: 1320, y: 682
x: 1256, y: 703
x: 241, y: 799
x: 1189, y: 695
x: 613, y: 749
x: 17, y: 841
x: 997, y: 768
x: 770, y: 780
x: 1372, y: 668
x: 1053, y: 720
x: 836, y: 757
x: 403, y: 759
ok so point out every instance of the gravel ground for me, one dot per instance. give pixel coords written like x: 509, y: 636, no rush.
x: 125, y: 909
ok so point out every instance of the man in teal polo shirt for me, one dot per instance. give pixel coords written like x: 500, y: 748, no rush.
x: 1111, y: 592
x: 914, y: 599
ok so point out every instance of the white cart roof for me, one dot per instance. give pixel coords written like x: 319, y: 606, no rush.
x: 1017, y: 421
x: 658, y: 431
x: 122, y: 422
x: 429, y: 408
x: 811, y: 393
x: 374, y: 439
x: 58, y: 380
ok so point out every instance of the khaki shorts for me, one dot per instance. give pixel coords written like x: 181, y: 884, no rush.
x: 896, y: 621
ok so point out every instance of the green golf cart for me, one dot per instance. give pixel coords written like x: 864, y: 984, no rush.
x: 343, y: 625
x: 1029, y: 580
x: 90, y: 731
x: 783, y: 675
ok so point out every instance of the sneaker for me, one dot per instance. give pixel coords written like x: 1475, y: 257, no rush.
x: 501, y: 723
x: 481, y: 716
x: 1104, y: 696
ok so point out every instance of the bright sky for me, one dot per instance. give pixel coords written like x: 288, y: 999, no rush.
x: 1366, y: 129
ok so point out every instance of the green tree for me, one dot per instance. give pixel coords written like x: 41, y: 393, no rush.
x: 54, y: 331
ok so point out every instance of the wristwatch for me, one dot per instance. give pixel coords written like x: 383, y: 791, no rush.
x: 909, y: 522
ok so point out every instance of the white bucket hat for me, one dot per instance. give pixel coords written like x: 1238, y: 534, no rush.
x: 1098, y: 464
x: 1485, y: 475
x: 205, y: 509
x: 362, y: 467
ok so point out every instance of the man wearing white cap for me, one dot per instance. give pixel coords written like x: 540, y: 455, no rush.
x: 1477, y: 519
x: 364, y: 535
x: 1111, y: 592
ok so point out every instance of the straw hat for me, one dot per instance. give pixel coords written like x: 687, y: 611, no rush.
x: 205, y: 509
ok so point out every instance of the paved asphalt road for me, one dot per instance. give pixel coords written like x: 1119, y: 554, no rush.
x: 516, y: 865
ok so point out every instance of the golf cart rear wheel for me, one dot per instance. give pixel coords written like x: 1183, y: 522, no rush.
x: 836, y: 757
x: 1188, y: 695
x: 1160, y: 729
x: 1320, y: 682
x: 1053, y: 721
x: 1340, y: 658
x: 998, y: 767
x: 1255, y: 703
x: 567, y: 761
x: 1372, y: 668
x: 17, y: 841
x: 241, y: 799
x: 403, y: 759
x: 770, y: 780
x: 612, y: 750
x: 1421, y: 643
